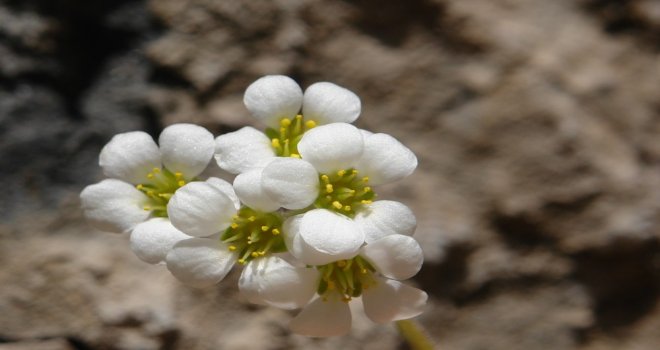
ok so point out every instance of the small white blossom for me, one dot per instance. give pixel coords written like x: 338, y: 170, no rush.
x: 279, y: 102
x: 225, y: 231
x: 371, y: 274
x: 142, y: 178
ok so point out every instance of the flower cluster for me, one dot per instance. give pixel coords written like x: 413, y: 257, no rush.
x: 301, y: 216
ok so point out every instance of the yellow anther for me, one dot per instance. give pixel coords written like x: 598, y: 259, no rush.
x: 347, y: 208
x: 310, y: 124
x: 364, y: 271
x: 241, y: 261
x: 146, y: 207
x: 367, y: 189
x: 329, y: 188
x: 252, y: 218
x: 365, y: 179
x: 150, y: 176
x: 181, y: 183
x: 325, y: 178
x: 275, y: 231
x: 178, y: 175
x: 299, y: 117
x: 275, y: 143
x: 139, y: 187
x: 262, y: 253
x: 232, y: 247
x: 365, y: 201
x: 155, y: 170
x: 254, y: 254
x: 295, y: 155
x: 337, y: 205
x: 354, y: 172
x: 341, y: 172
x: 285, y: 122
x: 265, y: 228
x: 234, y: 225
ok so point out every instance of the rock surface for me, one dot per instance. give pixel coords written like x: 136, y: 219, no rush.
x: 536, y: 124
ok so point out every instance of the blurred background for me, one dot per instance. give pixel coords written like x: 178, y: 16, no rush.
x: 536, y: 124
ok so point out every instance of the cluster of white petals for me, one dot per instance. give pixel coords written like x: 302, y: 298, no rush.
x: 301, y: 215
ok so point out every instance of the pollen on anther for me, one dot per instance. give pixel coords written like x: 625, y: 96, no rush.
x: 252, y: 218
x: 265, y: 228
x: 275, y: 143
x: 156, y: 170
x: 234, y: 225
x: 341, y: 172
x: 275, y: 231
x: 365, y: 201
x: 232, y: 248
x: 310, y: 124
x: 367, y: 189
x: 285, y: 122
x: 139, y: 186
x: 337, y: 205
x: 254, y: 254
x: 325, y: 178
x: 150, y: 176
x: 329, y: 188
x: 365, y: 179
x: 347, y: 208
x: 178, y: 175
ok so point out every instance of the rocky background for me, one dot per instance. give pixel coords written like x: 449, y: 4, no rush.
x: 536, y: 123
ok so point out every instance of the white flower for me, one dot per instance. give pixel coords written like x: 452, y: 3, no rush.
x: 372, y: 273
x: 339, y: 163
x: 279, y: 102
x: 143, y: 177
x: 225, y: 232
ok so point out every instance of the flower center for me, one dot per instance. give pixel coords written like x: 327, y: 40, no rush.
x: 346, y: 277
x: 344, y: 192
x: 160, y: 187
x: 285, y: 141
x: 254, y: 234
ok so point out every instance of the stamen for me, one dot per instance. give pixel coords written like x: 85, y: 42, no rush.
x: 275, y: 231
x: 155, y: 170
x: 232, y: 248
x: 329, y: 188
x: 285, y: 122
x: 295, y: 155
x: 365, y: 179
x: 341, y: 172
x: 337, y: 205
x: 276, y: 143
x: 310, y: 124
x: 265, y: 228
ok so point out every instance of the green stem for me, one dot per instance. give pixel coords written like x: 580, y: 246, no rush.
x: 414, y: 335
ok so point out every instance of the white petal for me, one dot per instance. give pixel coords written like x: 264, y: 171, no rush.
x: 329, y: 103
x: 272, y: 98
x: 383, y: 218
x: 385, y: 159
x: 249, y: 190
x: 323, y: 319
x: 332, y: 147
x: 186, y: 148
x: 328, y: 237
x: 113, y: 205
x: 242, y: 150
x: 291, y: 233
x: 391, y: 300
x: 226, y: 188
x: 153, y: 239
x: 200, y: 262
x: 394, y: 256
x: 200, y: 209
x: 130, y: 157
x: 291, y: 182
x: 273, y: 281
